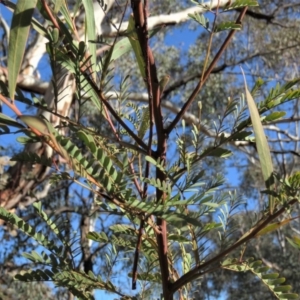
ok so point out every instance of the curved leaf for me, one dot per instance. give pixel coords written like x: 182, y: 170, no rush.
x: 6, y: 120
x: 91, y: 29
x: 17, y: 41
x: 262, y: 145
x: 134, y: 41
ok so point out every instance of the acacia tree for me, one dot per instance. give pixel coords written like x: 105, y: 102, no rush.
x: 162, y: 197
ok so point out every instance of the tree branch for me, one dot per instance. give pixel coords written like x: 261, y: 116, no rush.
x: 205, y: 75
x: 196, y: 272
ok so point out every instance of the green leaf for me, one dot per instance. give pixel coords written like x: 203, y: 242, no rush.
x: 227, y: 26
x: 288, y: 296
x: 134, y: 41
x: 97, y: 237
x: 295, y: 242
x: 262, y: 145
x: 240, y: 3
x: 57, y: 6
x: 65, y: 12
x: 282, y: 288
x: 255, y: 264
x: 123, y: 228
x: 40, y: 28
x: 124, y: 45
x: 179, y: 219
x: 276, y: 281
x: 217, y: 152
x: 274, y: 116
x: 5, y: 120
x: 17, y: 41
x: 91, y: 29
x: 26, y: 140
x: 178, y: 238
x: 200, y: 19
x: 273, y: 226
x: 262, y: 269
x: 87, y: 88
x: 144, y: 123
x: 121, y: 47
x: 35, y: 123
x: 270, y: 276
x: 240, y: 136
x: 26, y: 228
x: 149, y: 277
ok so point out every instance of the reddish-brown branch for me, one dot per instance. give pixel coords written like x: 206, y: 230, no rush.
x: 140, y: 17
x: 112, y: 111
x: 205, y: 76
x: 50, y: 15
x: 11, y: 105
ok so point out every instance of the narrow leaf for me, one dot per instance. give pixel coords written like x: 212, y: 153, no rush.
x: 134, y: 41
x: 274, y: 226
x: 217, y: 152
x: 91, y: 29
x: 288, y: 296
x: 124, y: 45
x: 275, y: 116
x: 17, y: 41
x: 227, y: 26
x: 6, y: 120
x: 295, y: 242
x: 262, y: 145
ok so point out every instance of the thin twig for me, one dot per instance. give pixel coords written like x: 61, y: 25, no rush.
x: 205, y: 77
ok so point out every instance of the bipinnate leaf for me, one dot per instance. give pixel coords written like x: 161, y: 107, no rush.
x: 227, y: 26
x: 34, y: 275
x: 270, y: 279
x: 200, y: 19
x: 26, y: 228
x: 262, y: 145
x: 17, y: 40
x: 97, y: 237
x: 87, y: 88
x: 240, y: 3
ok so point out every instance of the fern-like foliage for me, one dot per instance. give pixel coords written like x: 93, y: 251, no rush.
x: 57, y: 265
x: 271, y: 280
x: 165, y: 209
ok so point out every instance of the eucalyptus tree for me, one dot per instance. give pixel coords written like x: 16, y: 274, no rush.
x: 129, y: 147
